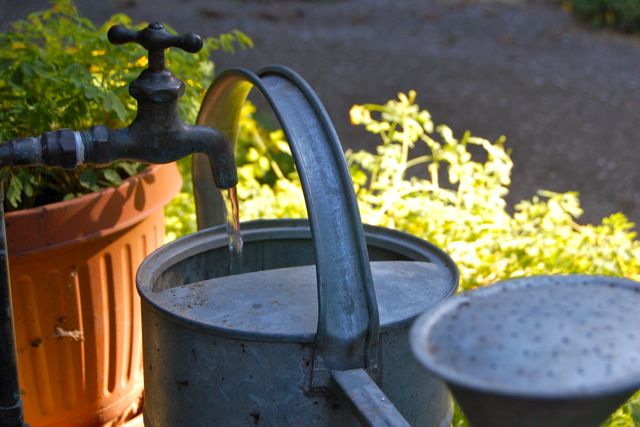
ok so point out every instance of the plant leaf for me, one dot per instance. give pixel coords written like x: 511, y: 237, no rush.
x: 111, y: 103
x: 89, y: 180
x: 112, y: 176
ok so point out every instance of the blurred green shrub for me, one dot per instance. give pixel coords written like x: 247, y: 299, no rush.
x: 467, y: 217
x: 454, y: 200
x: 623, y: 15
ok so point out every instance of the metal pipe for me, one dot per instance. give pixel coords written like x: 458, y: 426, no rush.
x: 156, y: 135
x: 10, y: 400
x: 157, y: 139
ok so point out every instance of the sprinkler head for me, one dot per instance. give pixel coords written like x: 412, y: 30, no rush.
x: 546, y: 350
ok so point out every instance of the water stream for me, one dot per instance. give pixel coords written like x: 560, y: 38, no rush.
x: 233, y: 229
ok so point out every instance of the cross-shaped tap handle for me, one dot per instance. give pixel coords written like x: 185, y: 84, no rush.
x: 155, y: 39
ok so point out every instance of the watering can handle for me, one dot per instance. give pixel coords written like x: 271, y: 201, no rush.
x: 348, y: 323
x: 367, y: 402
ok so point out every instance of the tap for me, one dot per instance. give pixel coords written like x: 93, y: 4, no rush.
x: 156, y: 135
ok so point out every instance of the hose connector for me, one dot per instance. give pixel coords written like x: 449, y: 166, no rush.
x: 62, y: 148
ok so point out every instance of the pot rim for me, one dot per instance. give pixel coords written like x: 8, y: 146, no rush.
x: 104, y: 212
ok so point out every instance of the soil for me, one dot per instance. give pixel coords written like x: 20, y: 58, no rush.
x: 566, y: 96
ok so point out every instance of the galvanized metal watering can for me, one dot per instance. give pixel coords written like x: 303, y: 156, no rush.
x: 557, y: 351
x: 315, y: 329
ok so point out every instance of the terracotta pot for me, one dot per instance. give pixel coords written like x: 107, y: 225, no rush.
x: 76, y: 310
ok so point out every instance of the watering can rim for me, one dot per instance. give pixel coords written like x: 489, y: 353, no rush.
x: 193, y: 244
x: 420, y: 331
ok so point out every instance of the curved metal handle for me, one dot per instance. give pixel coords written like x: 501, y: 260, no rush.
x: 155, y: 39
x: 348, y: 322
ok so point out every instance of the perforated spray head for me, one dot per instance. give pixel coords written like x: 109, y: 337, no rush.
x: 541, y: 350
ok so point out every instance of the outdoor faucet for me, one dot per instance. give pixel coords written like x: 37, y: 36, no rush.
x: 156, y: 135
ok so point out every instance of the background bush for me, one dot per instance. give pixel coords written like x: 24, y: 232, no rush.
x: 622, y: 15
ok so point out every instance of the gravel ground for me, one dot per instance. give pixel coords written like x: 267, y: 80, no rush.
x: 566, y: 97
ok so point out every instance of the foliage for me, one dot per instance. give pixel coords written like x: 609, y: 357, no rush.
x: 622, y: 15
x: 58, y: 70
x: 269, y: 186
x: 467, y: 215
x: 453, y: 196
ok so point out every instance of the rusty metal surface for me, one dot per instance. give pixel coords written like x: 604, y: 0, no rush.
x: 528, y: 350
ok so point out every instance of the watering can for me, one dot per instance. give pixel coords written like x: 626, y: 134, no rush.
x: 557, y: 351
x: 314, y: 329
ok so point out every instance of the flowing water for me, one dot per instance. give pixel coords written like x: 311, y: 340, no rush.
x: 233, y: 228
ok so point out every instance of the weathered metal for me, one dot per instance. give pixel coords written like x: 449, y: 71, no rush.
x: 367, y: 402
x: 346, y: 335
x: 545, y: 350
x: 233, y: 350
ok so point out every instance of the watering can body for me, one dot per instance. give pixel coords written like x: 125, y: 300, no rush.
x: 239, y: 350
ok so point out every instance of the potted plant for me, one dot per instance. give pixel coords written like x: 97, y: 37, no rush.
x: 75, y: 238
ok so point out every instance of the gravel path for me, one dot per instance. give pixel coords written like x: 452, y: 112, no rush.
x: 566, y: 97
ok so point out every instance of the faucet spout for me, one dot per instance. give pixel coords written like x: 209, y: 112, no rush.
x: 144, y: 144
x: 66, y: 148
x: 221, y: 155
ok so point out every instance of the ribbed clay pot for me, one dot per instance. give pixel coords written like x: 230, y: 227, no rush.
x: 76, y: 310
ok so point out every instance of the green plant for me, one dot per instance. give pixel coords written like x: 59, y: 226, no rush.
x: 58, y: 70
x: 622, y: 15
x: 449, y: 197
x: 467, y: 216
